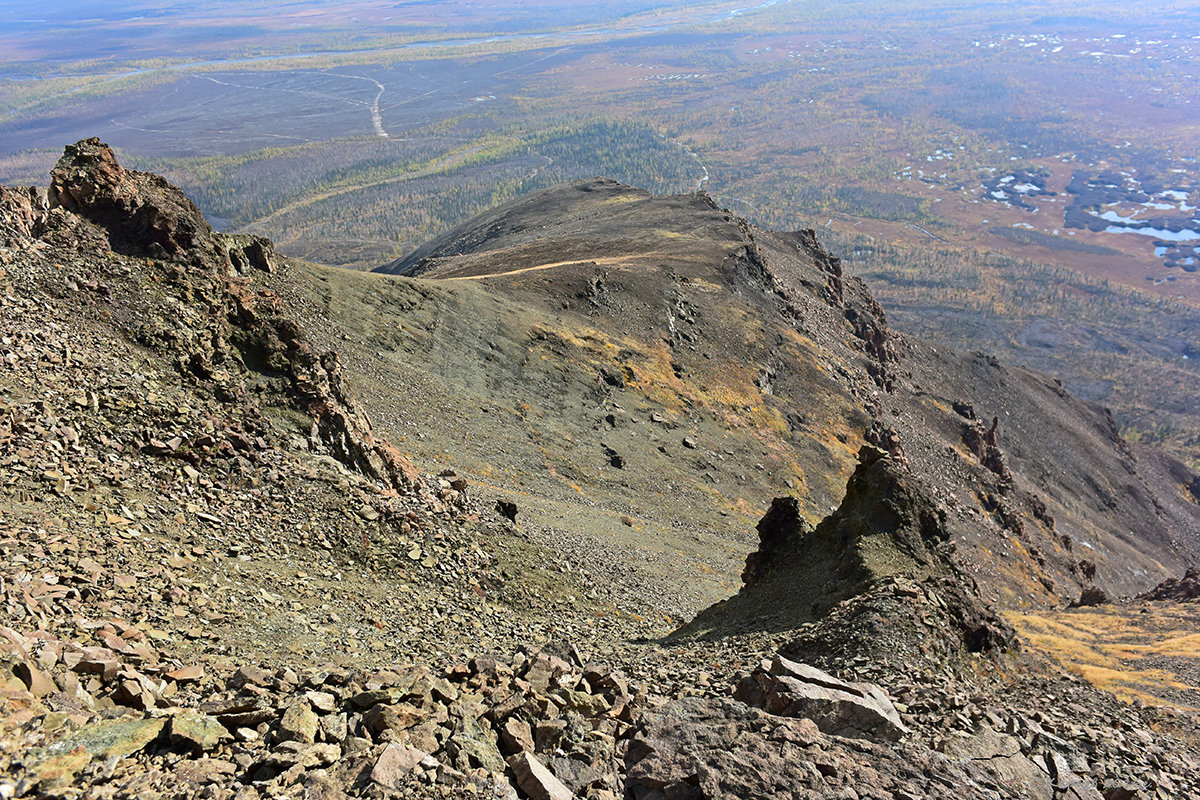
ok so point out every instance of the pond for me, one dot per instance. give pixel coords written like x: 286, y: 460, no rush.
x: 1158, y: 233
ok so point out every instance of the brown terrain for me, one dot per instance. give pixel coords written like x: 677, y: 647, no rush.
x: 605, y: 495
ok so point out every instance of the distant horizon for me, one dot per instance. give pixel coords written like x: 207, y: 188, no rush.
x: 129, y: 30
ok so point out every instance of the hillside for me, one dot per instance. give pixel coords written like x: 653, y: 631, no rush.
x: 781, y: 366
x: 445, y: 560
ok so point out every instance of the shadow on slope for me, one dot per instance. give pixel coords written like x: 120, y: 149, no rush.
x: 888, y: 530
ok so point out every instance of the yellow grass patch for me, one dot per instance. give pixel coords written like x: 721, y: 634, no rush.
x: 1110, y: 647
x: 619, y: 200
x: 666, y: 234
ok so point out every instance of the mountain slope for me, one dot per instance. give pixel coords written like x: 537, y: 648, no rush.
x: 768, y: 339
x: 219, y: 578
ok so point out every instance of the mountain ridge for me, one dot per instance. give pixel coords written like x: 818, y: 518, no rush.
x: 1014, y: 442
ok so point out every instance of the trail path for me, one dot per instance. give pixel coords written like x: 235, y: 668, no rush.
x: 430, y: 169
x: 373, y: 107
x: 551, y: 265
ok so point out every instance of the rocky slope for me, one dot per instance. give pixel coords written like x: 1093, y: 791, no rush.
x: 781, y: 366
x: 220, y: 579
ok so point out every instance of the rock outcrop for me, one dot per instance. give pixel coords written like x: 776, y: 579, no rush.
x: 1177, y: 589
x: 243, y: 330
x: 23, y: 213
x: 886, y: 525
x: 142, y: 213
x: 780, y: 531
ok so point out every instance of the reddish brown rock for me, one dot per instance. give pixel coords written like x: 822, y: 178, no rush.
x: 395, y: 763
x: 142, y: 213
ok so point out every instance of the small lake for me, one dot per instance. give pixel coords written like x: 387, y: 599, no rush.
x: 1158, y: 233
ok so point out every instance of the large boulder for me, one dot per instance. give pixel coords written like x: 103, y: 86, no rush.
x: 840, y: 708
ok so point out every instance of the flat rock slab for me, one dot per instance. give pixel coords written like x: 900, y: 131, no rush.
x: 996, y: 758
x: 536, y: 780
x: 114, y: 739
x: 839, y: 708
x: 394, y: 764
x: 57, y: 764
x: 198, y: 731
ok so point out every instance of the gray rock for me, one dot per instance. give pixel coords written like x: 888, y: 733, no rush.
x: 548, y: 733
x: 323, y: 702
x: 991, y: 757
x: 198, y: 731
x: 477, y: 746
x: 791, y: 689
x: 335, y: 727
x: 299, y: 723
x: 115, y: 739
x: 292, y: 754
x: 250, y: 675
x: 536, y: 781
x: 205, y: 770
x: 516, y: 735
x: 394, y: 764
x: 714, y: 748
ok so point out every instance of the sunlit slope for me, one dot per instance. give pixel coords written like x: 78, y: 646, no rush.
x: 655, y: 369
